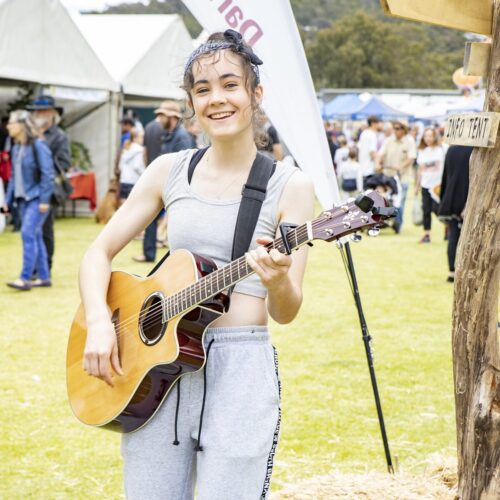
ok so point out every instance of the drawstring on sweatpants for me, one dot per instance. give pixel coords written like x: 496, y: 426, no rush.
x: 198, y: 446
x: 176, y: 441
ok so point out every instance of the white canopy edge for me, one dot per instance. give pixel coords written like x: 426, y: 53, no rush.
x: 145, y: 53
x: 42, y: 44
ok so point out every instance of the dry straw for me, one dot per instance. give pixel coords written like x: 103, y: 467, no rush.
x: 438, y: 481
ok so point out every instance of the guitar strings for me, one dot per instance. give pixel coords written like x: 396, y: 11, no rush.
x: 153, y: 312
x: 157, y: 311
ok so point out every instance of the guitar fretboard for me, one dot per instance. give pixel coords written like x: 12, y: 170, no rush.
x: 225, y: 277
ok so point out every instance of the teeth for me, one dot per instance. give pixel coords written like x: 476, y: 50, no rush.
x: 220, y: 115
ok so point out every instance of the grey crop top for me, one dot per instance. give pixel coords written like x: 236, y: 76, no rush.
x: 206, y: 226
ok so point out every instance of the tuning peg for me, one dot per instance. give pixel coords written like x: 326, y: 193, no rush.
x: 373, y: 231
x: 355, y: 238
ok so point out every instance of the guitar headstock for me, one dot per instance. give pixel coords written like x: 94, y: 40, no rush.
x: 367, y: 210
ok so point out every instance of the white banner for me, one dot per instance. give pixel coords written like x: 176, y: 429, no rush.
x: 289, y: 96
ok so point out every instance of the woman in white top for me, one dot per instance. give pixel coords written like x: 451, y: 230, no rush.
x: 430, y: 160
x: 131, y: 163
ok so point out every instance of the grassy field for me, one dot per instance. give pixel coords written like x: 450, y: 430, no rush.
x: 329, y: 418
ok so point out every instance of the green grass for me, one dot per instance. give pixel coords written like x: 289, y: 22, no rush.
x: 329, y: 417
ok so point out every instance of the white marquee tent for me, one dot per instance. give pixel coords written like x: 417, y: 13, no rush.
x: 144, y: 53
x: 42, y: 45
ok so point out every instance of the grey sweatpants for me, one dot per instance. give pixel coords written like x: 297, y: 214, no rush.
x: 239, y: 432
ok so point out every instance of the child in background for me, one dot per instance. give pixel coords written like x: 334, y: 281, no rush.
x: 349, y: 174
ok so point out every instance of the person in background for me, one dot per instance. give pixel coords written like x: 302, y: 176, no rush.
x: 127, y: 124
x: 349, y: 174
x: 387, y: 130
x: 430, y: 161
x: 31, y: 189
x: 272, y: 146
x: 47, y: 116
x: 131, y: 163
x: 153, y: 138
x: 193, y: 129
x: 342, y: 153
x: 454, y: 191
x: 368, y: 146
x: 174, y: 138
x: 333, y: 149
x: 395, y: 159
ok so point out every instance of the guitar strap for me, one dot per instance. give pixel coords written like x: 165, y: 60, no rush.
x: 253, y: 195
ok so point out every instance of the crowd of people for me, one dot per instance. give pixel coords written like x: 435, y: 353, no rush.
x: 389, y: 157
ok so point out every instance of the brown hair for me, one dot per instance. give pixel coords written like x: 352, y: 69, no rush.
x: 423, y: 145
x: 250, y: 80
x: 353, y: 153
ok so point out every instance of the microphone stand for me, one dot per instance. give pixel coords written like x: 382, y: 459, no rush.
x: 351, y: 275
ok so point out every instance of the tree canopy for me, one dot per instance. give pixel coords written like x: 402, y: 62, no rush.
x: 361, y: 50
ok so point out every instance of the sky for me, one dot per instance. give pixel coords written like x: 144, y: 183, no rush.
x: 94, y: 4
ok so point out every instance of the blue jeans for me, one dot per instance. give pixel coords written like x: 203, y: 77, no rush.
x: 34, y: 251
x: 399, y: 216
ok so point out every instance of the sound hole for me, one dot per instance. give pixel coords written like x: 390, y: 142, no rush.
x: 151, y: 326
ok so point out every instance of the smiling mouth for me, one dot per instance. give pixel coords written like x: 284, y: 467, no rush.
x: 221, y: 115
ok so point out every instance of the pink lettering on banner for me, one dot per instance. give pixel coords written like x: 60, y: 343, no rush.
x: 235, y: 18
x: 233, y: 15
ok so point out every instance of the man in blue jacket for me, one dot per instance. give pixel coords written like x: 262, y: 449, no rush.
x: 47, y: 116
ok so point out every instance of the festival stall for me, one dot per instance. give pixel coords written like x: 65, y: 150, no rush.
x: 43, y: 50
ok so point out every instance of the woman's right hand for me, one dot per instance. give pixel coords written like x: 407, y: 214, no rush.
x: 101, y: 351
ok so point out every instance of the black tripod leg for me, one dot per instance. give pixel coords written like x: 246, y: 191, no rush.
x: 369, y: 355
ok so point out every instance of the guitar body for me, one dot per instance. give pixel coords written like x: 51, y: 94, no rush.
x: 153, y: 354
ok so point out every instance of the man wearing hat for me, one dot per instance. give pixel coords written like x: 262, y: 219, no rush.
x: 395, y: 159
x: 163, y: 135
x: 47, y: 116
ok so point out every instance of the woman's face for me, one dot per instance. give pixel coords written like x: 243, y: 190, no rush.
x: 221, y: 101
x: 429, y: 138
x: 15, y: 129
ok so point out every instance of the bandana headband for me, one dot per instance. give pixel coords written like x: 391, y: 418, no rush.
x: 232, y: 40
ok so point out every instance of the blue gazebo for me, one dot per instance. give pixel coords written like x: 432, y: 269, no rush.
x: 341, y: 107
x: 376, y: 107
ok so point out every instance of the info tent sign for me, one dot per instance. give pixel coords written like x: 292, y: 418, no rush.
x: 472, y: 129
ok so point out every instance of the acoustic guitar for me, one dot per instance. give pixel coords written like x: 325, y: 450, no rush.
x: 160, y: 320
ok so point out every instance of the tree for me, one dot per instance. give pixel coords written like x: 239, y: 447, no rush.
x: 360, y: 50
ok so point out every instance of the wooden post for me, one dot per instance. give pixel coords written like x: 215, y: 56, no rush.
x: 476, y: 357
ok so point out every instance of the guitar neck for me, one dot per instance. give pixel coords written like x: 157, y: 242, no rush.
x: 227, y: 276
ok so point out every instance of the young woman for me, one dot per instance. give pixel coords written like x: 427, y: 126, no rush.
x: 241, y: 413
x: 31, y: 189
x: 430, y: 160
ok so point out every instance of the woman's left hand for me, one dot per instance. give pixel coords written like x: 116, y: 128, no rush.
x: 271, y: 267
x: 43, y: 207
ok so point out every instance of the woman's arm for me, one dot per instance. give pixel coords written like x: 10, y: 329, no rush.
x: 281, y: 274
x: 143, y: 204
